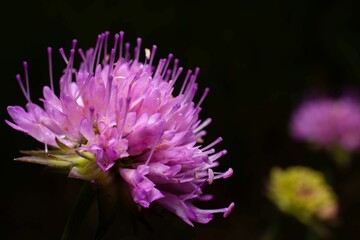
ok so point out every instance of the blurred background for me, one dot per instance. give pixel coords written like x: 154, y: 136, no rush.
x: 259, y: 58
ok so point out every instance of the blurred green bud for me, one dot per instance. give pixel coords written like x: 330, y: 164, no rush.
x: 303, y: 193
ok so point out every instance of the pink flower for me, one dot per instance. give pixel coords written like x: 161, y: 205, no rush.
x: 328, y: 123
x: 119, y: 115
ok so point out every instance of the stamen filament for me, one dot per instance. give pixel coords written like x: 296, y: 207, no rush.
x: 49, y: 50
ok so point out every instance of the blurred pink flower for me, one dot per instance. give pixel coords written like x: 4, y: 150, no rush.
x: 328, y: 123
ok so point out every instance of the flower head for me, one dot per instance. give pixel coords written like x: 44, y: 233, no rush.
x: 328, y: 123
x: 118, y: 116
x: 302, y: 193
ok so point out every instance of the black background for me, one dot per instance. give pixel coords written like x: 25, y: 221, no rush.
x: 258, y: 57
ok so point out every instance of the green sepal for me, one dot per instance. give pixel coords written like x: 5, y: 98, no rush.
x: 53, y: 162
x: 62, y: 146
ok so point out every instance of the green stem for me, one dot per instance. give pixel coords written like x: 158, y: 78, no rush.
x: 312, y: 235
x: 79, y: 211
x: 273, y: 231
x: 107, y: 197
x: 342, y: 158
x: 114, y: 202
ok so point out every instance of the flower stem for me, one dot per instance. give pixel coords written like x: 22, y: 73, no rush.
x: 342, y: 158
x: 274, y: 229
x: 78, y: 213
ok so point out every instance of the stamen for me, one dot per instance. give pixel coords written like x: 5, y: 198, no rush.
x: 138, y: 47
x: 219, y: 139
x: 81, y: 52
x: 116, y: 39
x: 216, y: 175
x: 83, y: 87
x: 62, y: 53
x: 18, y: 78
x: 197, y: 70
x: 192, y: 93
x: 106, y: 37
x: 98, y: 42
x: 226, y: 211
x: 109, y: 87
x: 153, y: 51
x: 112, y: 59
x: 127, y: 104
x: 185, y: 81
x: 159, y: 67
x: 200, y: 134
x: 198, y: 187
x: 147, y: 53
x: 168, y: 60
x: 211, y: 176
x: 193, y: 118
x: 207, y: 152
x: 71, y: 63
x: 206, y: 197
x: 68, y: 70
x: 206, y: 91
x: 49, y: 50
x: 121, y: 34
x: 72, y: 55
x: 98, y: 51
x: 174, y: 71
x: 127, y: 52
x: 229, y: 209
x: 202, y: 125
x: 174, y: 78
x: 167, y: 76
x: 172, y: 111
x: 74, y: 41
x: 27, y: 79
x: 189, y: 87
x: 217, y: 155
x: 228, y: 173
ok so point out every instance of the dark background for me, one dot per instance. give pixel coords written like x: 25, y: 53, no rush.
x: 258, y: 57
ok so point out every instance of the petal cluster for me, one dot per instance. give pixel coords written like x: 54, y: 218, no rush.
x: 116, y: 113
